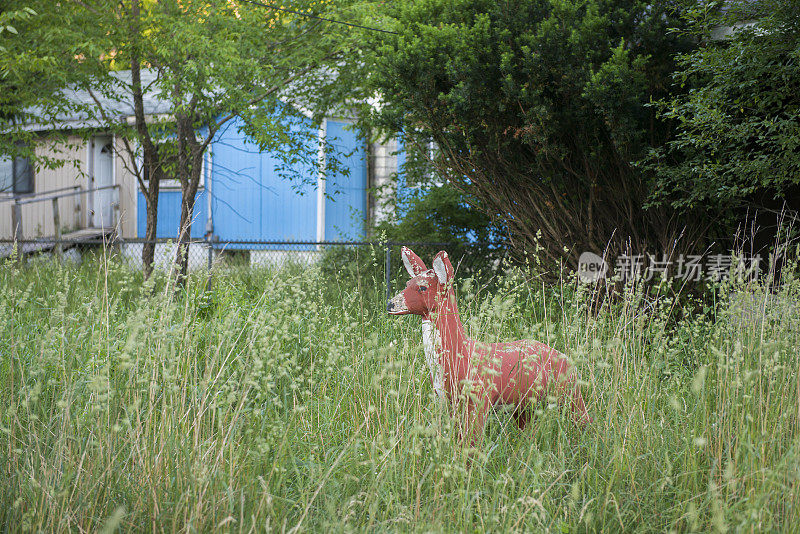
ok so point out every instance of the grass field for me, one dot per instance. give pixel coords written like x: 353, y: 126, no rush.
x: 282, y: 401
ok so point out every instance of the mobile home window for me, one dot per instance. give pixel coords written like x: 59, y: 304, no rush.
x: 168, y: 156
x: 16, y: 175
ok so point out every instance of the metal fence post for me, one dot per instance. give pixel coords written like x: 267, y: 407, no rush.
x: 16, y: 227
x: 59, y: 247
x: 210, y: 251
x: 388, y: 270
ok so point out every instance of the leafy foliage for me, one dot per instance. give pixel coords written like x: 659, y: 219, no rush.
x: 738, y: 135
x: 537, y: 109
x: 28, y: 75
x: 215, y: 63
x: 440, y: 214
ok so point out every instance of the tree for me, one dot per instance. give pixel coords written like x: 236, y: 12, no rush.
x: 738, y: 135
x: 441, y: 214
x: 215, y: 61
x: 210, y: 62
x: 538, y: 109
x: 12, y: 61
x: 28, y: 76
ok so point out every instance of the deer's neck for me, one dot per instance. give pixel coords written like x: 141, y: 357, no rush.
x: 450, y: 329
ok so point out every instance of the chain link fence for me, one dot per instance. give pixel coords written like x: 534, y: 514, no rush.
x: 378, y: 260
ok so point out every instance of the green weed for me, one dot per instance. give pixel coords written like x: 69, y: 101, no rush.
x: 285, y: 400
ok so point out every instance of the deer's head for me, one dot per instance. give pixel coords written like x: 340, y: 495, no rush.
x: 426, y: 289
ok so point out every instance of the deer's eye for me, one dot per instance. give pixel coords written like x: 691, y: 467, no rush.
x: 423, y: 289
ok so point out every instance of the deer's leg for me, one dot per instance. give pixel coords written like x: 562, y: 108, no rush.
x: 521, y: 415
x: 473, y: 421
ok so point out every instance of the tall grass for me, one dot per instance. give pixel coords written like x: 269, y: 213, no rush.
x: 284, y: 401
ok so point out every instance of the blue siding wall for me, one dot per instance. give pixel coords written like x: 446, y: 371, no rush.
x: 169, y: 214
x: 251, y: 201
x: 346, y: 202
x: 404, y: 194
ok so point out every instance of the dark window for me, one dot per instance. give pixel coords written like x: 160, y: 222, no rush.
x: 16, y: 175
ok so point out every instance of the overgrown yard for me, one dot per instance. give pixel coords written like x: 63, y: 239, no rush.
x: 285, y: 401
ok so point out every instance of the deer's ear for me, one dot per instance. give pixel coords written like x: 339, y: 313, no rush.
x: 413, y: 263
x: 442, y: 267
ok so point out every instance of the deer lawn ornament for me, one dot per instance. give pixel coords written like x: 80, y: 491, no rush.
x: 480, y: 375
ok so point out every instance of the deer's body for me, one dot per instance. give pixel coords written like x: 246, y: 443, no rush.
x: 480, y: 375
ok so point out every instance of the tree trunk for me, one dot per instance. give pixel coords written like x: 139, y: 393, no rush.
x: 184, y: 236
x: 150, y: 160
x: 188, y: 194
x: 149, y: 246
